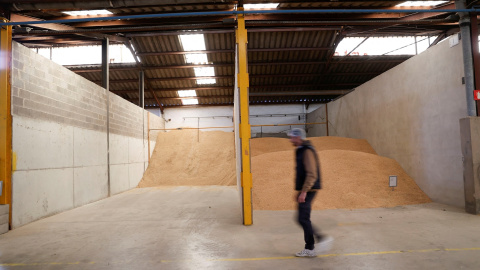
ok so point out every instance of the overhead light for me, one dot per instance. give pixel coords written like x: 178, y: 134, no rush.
x: 189, y: 101
x: 261, y: 6
x: 187, y: 93
x: 87, y: 12
x: 420, y: 3
x: 194, y: 42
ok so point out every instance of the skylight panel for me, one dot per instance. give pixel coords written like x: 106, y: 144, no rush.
x: 420, y: 3
x: 196, y: 42
x: 190, y: 101
x: 196, y: 58
x: 187, y: 93
x: 204, y: 71
x: 206, y: 81
x: 383, y: 45
x: 87, y: 12
x: 193, y: 42
x: 87, y: 55
x: 261, y: 6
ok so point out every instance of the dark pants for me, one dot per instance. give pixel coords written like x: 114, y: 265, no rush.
x: 304, y: 210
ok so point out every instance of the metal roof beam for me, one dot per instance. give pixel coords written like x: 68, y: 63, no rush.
x: 269, y: 94
x: 421, y: 16
x: 232, y: 51
x: 251, y: 102
x: 35, y: 5
x: 251, y: 76
x: 96, y: 68
x: 331, y: 86
x: 60, y: 27
x: 273, y: 94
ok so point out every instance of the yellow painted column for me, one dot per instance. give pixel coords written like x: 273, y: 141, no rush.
x: 246, y: 175
x: 5, y: 116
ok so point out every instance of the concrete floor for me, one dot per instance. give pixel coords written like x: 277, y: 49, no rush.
x: 200, y: 228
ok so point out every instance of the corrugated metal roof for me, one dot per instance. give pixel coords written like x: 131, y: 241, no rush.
x: 287, y: 53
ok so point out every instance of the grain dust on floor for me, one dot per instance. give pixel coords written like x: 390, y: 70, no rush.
x: 191, y: 158
x: 353, y: 176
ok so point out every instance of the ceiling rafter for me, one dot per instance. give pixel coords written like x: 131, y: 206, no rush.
x: 97, y: 68
x: 59, y: 27
x: 308, y: 42
x: 330, y: 86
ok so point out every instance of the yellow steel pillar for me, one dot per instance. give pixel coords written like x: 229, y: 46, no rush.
x: 241, y: 35
x: 5, y: 117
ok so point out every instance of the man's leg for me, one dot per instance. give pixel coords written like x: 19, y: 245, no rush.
x: 304, y: 210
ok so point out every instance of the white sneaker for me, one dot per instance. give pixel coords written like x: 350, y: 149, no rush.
x: 324, y: 245
x: 306, y: 253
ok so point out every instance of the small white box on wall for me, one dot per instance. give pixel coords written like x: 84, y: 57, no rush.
x: 453, y: 40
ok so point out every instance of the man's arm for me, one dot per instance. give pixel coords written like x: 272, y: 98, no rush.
x: 310, y: 170
x: 311, y: 174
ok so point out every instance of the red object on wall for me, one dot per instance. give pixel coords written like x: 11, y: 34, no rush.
x: 476, y: 94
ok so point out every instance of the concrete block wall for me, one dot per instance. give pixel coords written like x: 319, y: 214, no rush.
x: 411, y: 113
x: 127, y: 144
x: 60, y: 139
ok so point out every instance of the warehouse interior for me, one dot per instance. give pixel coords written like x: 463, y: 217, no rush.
x: 178, y: 158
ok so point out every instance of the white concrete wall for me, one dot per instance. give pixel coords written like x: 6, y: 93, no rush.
x: 58, y: 167
x: 411, y: 114
x: 60, y: 139
x: 194, y: 117
x: 317, y: 116
x: 223, y: 116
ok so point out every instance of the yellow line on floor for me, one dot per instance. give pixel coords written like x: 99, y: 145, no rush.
x: 268, y: 258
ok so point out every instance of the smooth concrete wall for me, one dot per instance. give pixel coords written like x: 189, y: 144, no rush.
x: 279, y: 115
x: 154, y: 123
x: 317, y: 116
x: 202, y: 117
x: 128, y: 144
x: 59, y: 128
x: 411, y: 114
x: 195, y: 117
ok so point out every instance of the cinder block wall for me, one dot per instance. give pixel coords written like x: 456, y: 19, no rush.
x: 60, y: 139
x: 411, y: 113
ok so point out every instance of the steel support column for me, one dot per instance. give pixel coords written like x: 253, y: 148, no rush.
x: 245, y: 132
x: 467, y: 57
x: 141, y: 89
x: 105, y: 84
x: 6, y: 118
x: 476, y: 55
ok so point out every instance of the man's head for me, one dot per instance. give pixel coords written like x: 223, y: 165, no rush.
x: 297, y: 136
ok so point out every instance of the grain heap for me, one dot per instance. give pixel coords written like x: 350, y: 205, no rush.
x: 191, y: 158
x: 353, y: 176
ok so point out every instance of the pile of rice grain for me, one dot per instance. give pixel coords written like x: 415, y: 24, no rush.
x: 353, y: 176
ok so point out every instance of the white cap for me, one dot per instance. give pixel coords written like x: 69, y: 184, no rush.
x: 297, y: 132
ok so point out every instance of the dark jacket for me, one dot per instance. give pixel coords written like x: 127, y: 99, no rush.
x: 308, y: 168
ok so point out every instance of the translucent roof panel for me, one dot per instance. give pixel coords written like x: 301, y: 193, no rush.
x: 383, y: 46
